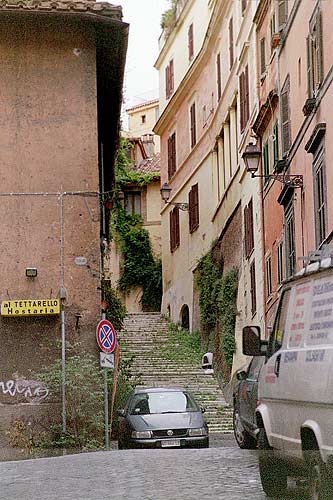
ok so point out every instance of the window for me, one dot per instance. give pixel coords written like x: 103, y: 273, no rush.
x: 193, y: 205
x: 190, y: 42
x: 193, y: 127
x: 315, y: 55
x: 169, y: 79
x: 285, y: 117
x: 253, y: 288
x: 174, y: 229
x: 265, y: 157
x: 320, y: 202
x: 290, y: 239
x: 172, y: 166
x: 262, y: 56
x: 143, y: 118
x: 275, y: 144
x: 133, y: 202
x: 219, y: 79
x: 275, y: 340
x: 280, y: 273
x: 244, y: 98
x: 269, y: 287
x: 248, y: 229
x: 282, y: 13
x: 231, y: 43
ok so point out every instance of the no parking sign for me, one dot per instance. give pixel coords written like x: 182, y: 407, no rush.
x: 106, y: 336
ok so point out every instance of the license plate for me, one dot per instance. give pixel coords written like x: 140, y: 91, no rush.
x: 170, y: 443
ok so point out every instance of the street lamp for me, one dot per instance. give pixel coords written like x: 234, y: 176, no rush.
x: 165, y: 195
x: 252, y: 157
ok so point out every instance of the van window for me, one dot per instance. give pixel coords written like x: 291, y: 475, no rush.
x: 276, y: 338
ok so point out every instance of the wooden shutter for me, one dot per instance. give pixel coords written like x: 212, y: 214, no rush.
x: 319, y: 47
x: 172, y: 245
x: 193, y: 126
x: 167, y: 82
x: 262, y: 56
x: 241, y: 99
x: 177, y: 232
x: 193, y: 200
x: 247, y: 95
x: 309, y: 65
x: 285, y: 118
x: 246, y: 228
x: 250, y: 217
x: 171, y: 72
x: 231, y: 43
x: 190, y: 42
x: 275, y: 144
x: 253, y: 288
x: 282, y: 13
x: 171, y: 155
x: 218, y: 71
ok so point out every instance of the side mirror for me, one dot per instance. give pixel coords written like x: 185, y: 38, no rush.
x: 251, y: 341
x: 241, y: 375
x: 121, y: 412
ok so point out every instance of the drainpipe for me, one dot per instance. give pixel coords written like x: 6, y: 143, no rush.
x: 62, y: 315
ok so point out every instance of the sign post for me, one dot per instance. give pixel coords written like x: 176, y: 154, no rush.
x: 107, y: 341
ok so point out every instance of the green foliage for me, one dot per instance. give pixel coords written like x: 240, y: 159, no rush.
x: 140, y: 266
x: 169, y: 16
x: 116, y: 311
x: 218, y: 302
x: 183, y: 347
x: 124, y: 172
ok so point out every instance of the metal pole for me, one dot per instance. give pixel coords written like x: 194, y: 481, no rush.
x: 106, y: 405
x: 63, y: 366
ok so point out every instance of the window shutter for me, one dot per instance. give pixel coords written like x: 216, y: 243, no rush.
x: 244, y: 3
x: 167, y: 82
x: 309, y: 66
x: 262, y: 56
x: 171, y: 231
x: 190, y: 42
x: 286, y: 135
x: 275, y: 143
x: 241, y: 99
x: 282, y: 13
x: 171, y: 76
x: 253, y: 288
x: 319, y: 47
x: 177, y: 232
x: 250, y: 216
x: 173, y: 147
x: 246, y: 237
x: 193, y: 126
x: 247, y: 96
x: 170, y: 157
x: 231, y: 43
x: 218, y: 71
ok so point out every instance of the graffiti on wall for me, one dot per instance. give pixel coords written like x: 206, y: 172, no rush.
x: 31, y: 390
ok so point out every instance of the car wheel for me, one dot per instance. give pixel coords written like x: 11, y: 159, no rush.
x: 273, y: 473
x: 320, y: 482
x: 243, y: 438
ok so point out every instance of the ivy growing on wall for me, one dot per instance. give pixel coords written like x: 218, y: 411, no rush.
x: 218, y: 304
x: 140, y: 266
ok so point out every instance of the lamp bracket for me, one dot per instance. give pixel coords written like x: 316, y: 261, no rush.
x: 295, y: 181
x: 181, y: 206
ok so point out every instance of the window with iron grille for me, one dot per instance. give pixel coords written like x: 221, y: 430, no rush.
x: 289, y: 224
x: 133, y: 202
x: 172, y: 165
x: 320, y: 196
x: 174, y: 229
x: 231, y: 43
x: 285, y: 116
x: 244, y: 98
x: 280, y: 266
x: 269, y: 287
x: 193, y: 205
x: 315, y: 54
x: 248, y: 229
x: 190, y: 42
x: 193, y: 126
x: 265, y: 156
x: 169, y: 79
x: 219, y: 76
x: 253, y: 288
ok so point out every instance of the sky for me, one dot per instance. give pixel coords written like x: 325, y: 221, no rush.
x: 141, y: 78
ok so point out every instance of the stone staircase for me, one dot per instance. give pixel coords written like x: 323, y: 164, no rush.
x: 145, y: 336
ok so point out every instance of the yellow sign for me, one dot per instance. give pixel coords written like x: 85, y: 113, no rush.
x: 30, y: 307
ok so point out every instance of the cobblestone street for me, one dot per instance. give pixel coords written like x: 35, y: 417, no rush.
x: 222, y: 472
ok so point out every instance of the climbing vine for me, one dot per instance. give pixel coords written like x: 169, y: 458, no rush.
x: 140, y: 266
x: 218, y: 304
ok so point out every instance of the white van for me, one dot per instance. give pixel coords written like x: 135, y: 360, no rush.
x: 295, y: 411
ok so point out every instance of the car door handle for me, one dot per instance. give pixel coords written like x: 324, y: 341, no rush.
x: 277, y: 365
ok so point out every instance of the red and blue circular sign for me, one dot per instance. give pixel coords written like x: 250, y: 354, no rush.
x: 106, y: 336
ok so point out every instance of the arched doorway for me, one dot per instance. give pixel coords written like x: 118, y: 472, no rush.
x: 185, y: 317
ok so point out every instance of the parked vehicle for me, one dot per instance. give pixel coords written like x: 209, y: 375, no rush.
x: 162, y: 418
x: 295, y: 415
x: 245, y: 397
